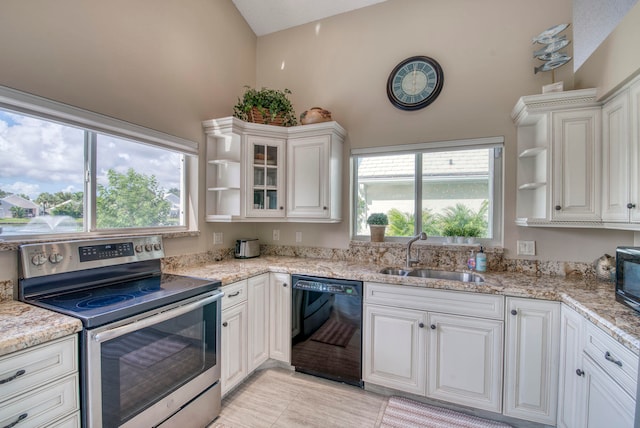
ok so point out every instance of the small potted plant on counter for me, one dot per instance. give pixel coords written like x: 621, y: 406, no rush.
x: 377, y: 224
x: 471, y: 231
x: 266, y: 106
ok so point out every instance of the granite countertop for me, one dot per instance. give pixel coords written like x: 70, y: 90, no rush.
x: 24, y: 325
x: 593, y: 299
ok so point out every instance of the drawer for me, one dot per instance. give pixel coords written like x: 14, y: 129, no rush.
x: 36, y: 366
x: 428, y: 299
x: 72, y: 421
x: 40, y: 407
x: 234, y: 293
x: 616, y: 360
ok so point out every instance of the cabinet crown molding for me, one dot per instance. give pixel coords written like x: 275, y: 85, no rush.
x: 530, y: 106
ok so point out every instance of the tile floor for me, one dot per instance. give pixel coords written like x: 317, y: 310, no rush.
x: 283, y: 398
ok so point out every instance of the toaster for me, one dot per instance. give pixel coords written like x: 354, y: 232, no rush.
x: 247, y: 248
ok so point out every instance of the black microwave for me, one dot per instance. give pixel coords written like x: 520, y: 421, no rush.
x: 628, y: 276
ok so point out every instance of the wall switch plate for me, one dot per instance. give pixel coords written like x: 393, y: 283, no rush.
x: 276, y: 234
x: 298, y: 236
x: 526, y: 248
x: 217, y: 238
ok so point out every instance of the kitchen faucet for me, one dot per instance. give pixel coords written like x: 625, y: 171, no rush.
x: 422, y: 236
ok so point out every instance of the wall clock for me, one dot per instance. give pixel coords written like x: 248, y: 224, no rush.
x: 415, y: 83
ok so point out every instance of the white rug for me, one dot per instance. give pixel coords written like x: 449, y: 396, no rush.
x: 405, y: 413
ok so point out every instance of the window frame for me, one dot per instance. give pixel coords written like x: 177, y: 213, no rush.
x: 93, y: 124
x: 496, y: 182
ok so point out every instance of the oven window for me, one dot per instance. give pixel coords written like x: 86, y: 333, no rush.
x: 144, y: 366
x: 632, y: 278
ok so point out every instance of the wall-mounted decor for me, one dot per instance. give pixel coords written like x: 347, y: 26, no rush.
x: 552, y: 43
x: 415, y: 83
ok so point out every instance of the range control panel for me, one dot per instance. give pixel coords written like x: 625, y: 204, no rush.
x: 69, y: 256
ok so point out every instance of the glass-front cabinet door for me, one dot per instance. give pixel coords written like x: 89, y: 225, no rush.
x: 265, y: 196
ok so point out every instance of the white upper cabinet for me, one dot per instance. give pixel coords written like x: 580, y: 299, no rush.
x: 559, y: 151
x: 271, y: 173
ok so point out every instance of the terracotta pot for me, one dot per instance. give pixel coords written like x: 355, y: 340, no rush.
x: 377, y: 232
x: 315, y: 115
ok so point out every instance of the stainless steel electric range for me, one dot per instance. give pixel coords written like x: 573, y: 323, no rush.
x: 150, y: 347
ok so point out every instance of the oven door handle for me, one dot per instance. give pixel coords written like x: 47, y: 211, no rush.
x: 155, y: 319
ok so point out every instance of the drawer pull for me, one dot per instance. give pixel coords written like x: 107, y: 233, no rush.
x: 234, y: 294
x: 421, y: 325
x: 609, y: 357
x: 580, y: 372
x: 9, y: 379
x: 21, y: 418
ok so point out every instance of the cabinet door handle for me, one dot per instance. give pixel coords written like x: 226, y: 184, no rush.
x: 580, y: 372
x: 21, y: 418
x: 224, y: 324
x: 558, y: 207
x: 284, y: 284
x: 609, y: 357
x: 514, y: 312
x: 10, y: 378
x: 433, y: 326
x: 281, y: 208
x: 630, y: 205
x: 421, y: 325
x: 324, y: 208
x: 234, y: 294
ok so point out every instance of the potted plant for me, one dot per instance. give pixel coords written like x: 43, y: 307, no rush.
x: 267, y: 106
x: 471, y: 231
x: 377, y: 224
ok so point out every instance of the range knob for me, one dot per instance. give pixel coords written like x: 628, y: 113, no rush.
x: 157, y: 246
x: 148, y: 247
x: 55, y: 258
x: 39, y: 259
x: 138, y: 248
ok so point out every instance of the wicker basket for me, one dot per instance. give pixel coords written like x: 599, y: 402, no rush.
x: 255, y: 116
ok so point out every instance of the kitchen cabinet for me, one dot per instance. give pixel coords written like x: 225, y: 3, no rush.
x: 280, y: 317
x: 532, y: 344
x: 258, y: 301
x: 621, y: 159
x: 440, y: 344
x: 40, y: 385
x: 234, y: 340
x: 558, y: 168
x: 260, y: 173
x: 598, y: 376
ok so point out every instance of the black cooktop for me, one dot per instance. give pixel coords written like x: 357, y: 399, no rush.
x: 112, y: 302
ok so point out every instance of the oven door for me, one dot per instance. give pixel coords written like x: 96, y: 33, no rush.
x: 140, y: 371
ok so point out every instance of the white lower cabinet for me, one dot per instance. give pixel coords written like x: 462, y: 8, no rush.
x: 258, y: 299
x: 532, y: 343
x: 597, y: 377
x: 234, y: 341
x: 39, y: 386
x: 280, y: 317
x: 410, y: 347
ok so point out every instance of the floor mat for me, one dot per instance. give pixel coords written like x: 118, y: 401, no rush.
x: 404, y: 413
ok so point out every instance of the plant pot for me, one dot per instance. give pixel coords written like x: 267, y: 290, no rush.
x: 255, y: 116
x: 448, y: 239
x: 459, y: 239
x: 471, y: 240
x: 377, y: 232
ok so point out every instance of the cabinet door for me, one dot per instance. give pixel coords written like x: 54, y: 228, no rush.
x: 615, y: 159
x: 572, y: 383
x: 258, y: 298
x: 607, y: 404
x: 308, y: 177
x: 265, y: 179
x: 531, y: 359
x: 234, y: 346
x: 280, y: 317
x: 465, y: 361
x: 576, y: 165
x: 634, y: 153
x: 394, y: 348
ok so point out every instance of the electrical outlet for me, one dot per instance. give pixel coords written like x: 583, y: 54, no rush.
x: 276, y: 234
x: 298, y: 236
x: 217, y: 238
x: 526, y: 248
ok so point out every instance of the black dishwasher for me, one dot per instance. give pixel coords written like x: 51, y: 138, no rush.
x: 326, y: 328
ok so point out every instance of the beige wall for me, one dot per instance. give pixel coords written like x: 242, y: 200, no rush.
x: 616, y: 60
x: 163, y: 64
x: 342, y: 64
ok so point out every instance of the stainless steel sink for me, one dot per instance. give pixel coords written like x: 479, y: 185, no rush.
x: 434, y: 274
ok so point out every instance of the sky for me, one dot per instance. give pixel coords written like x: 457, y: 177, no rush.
x: 38, y: 156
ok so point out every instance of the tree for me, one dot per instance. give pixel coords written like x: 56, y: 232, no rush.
x: 131, y: 200
x: 4, y: 194
x: 402, y: 223
x: 18, y: 212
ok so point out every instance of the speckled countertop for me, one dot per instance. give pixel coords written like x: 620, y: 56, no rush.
x: 23, y: 326
x: 593, y: 299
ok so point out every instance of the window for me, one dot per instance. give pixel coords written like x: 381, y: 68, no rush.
x: 456, y: 187
x: 67, y: 171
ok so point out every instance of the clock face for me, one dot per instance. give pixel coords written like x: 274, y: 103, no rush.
x: 415, y: 83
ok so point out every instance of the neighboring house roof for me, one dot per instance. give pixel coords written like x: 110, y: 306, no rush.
x: 21, y: 202
x: 172, y: 198
x: 463, y: 163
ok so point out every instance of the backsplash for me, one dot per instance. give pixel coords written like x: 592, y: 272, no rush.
x: 6, y: 290
x: 393, y: 254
